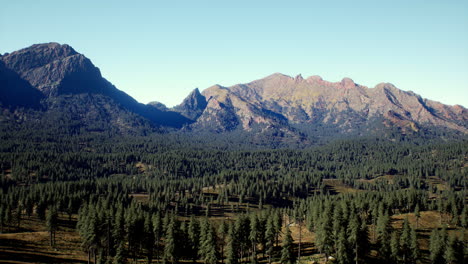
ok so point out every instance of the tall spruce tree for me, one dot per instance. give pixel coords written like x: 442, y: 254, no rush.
x: 207, y: 250
x: 51, y: 223
x: 342, y: 248
x: 394, y: 247
x: 270, y: 238
x: 287, y: 255
x: 253, y: 236
x: 232, y: 249
x: 194, y: 237
x: 436, y: 247
x: 405, y: 242
x: 170, y: 242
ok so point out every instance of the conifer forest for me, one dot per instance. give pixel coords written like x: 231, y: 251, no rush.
x: 167, y: 199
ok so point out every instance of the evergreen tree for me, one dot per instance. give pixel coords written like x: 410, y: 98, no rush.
x: 436, y: 247
x: 148, y: 238
x: 454, y: 251
x: 51, y: 223
x: 405, y: 242
x: 414, y: 246
x: 394, y: 247
x: 253, y: 236
x: 464, y: 217
x: 323, y: 235
x: 232, y: 249
x: 194, y: 237
x: 287, y: 256
x: 157, y: 231
x: 383, y: 236
x: 417, y: 214
x: 119, y: 257
x: 223, y: 229
x: 278, y: 223
x: 270, y: 238
x: 170, y: 242
x: 207, y: 249
x: 342, y: 252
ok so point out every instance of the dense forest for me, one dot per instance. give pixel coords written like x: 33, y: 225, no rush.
x: 174, y: 199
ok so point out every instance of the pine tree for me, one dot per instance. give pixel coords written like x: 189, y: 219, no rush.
x: 148, y: 238
x: 194, y: 237
x: 414, y: 246
x: 222, y: 231
x: 253, y: 236
x: 436, y: 247
x: 170, y: 243
x: 323, y: 234
x: 287, y: 256
x: 207, y: 249
x: 278, y: 222
x: 342, y: 252
x: 270, y: 238
x: 51, y: 223
x: 363, y: 240
x: 232, y: 249
x: 383, y: 235
x: 394, y: 247
x: 353, y: 235
x: 405, y: 242
x: 452, y: 252
x: 464, y: 217
x: 417, y: 213
x: 157, y: 231
x: 119, y: 257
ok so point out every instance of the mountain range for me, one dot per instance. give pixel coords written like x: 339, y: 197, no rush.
x: 53, y: 85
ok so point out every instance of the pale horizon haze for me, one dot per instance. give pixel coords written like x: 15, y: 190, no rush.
x: 162, y: 50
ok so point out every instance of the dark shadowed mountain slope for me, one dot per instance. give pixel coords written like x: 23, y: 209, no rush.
x: 16, y: 92
x: 192, y: 106
x: 58, y: 70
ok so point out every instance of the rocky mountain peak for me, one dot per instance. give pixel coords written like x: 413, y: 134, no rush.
x: 158, y: 105
x: 279, y: 100
x: 299, y: 78
x: 347, y: 83
x: 193, y: 105
x: 315, y: 78
x: 53, y: 68
x: 36, y: 56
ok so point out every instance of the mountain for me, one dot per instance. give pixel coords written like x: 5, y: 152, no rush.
x: 293, y: 104
x: 63, y: 79
x: 16, y: 92
x: 52, y: 86
x: 192, y: 106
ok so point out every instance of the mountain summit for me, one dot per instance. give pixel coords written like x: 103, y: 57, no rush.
x: 69, y: 85
x: 65, y: 89
x: 282, y: 101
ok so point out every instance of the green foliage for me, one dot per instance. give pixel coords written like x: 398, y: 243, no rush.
x: 99, y: 176
x: 287, y: 255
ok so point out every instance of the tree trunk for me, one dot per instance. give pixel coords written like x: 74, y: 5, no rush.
x: 300, y: 239
x: 356, y: 249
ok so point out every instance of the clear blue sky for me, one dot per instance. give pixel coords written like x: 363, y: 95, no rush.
x: 161, y: 50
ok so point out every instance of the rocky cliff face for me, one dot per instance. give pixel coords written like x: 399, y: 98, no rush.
x: 48, y: 67
x: 192, y: 106
x: 281, y: 101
